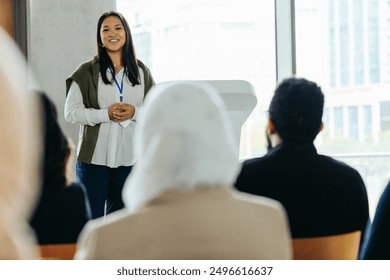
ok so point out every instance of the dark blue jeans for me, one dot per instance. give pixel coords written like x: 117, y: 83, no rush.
x: 103, y: 186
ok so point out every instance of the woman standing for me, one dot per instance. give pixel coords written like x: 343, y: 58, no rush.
x: 104, y: 96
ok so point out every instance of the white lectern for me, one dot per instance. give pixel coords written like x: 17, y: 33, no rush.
x: 240, y: 99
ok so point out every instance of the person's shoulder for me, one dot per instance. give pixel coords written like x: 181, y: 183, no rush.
x: 339, y: 166
x: 140, y: 63
x: 252, y: 164
x: 84, y: 73
x: 87, y: 65
x: 253, y: 161
x: 70, y: 197
x: 268, y: 208
x: 84, y: 67
x: 111, y: 221
x: 251, y: 170
x: 343, y: 175
x: 101, y: 237
x: 256, y: 200
x: 144, y: 67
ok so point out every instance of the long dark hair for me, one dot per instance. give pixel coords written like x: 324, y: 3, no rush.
x: 129, y: 58
x: 56, y: 147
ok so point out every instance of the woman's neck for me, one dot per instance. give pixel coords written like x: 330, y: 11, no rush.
x: 116, y: 59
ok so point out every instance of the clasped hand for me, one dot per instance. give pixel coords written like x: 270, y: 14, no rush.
x: 120, y: 112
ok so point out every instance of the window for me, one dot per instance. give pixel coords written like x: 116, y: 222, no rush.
x: 341, y: 49
x: 385, y: 115
x: 367, y: 121
x: 358, y: 31
x: 353, y: 132
x: 338, y: 121
x: 340, y: 44
x: 210, y: 39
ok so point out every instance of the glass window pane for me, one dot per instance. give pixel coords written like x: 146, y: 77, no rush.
x: 213, y: 39
x: 353, y: 122
x: 344, y: 46
x: 338, y: 121
x: 367, y: 121
x: 385, y: 115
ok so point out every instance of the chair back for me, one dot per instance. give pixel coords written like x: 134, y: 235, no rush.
x: 58, y: 251
x: 335, y: 247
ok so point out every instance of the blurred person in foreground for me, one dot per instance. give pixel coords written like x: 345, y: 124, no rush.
x: 322, y: 196
x: 180, y: 203
x: 19, y: 154
x: 63, y: 208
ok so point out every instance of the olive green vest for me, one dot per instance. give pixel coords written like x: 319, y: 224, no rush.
x: 87, y: 76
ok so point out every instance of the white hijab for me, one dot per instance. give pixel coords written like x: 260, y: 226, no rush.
x: 184, y: 141
x: 19, y: 153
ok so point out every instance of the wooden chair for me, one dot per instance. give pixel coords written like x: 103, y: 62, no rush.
x: 58, y: 251
x: 336, y: 247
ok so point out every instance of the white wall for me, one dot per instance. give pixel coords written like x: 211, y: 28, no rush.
x: 61, y: 35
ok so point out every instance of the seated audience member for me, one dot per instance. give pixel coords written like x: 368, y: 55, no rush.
x: 322, y: 196
x: 378, y: 243
x: 179, y: 197
x: 63, y: 208
x: 19, y: 154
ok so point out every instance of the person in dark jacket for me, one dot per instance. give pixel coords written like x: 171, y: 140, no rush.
x: 322, y: 196
x: 378, y: 242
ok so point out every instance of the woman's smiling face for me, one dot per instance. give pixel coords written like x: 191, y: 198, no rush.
x: 113, y: 34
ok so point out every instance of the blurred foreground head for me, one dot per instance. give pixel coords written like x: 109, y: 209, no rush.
x: 185, y: 141
x: 19, y: 153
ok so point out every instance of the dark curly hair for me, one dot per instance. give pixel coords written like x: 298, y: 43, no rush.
x: 130, y: 64
x: 296, y: 109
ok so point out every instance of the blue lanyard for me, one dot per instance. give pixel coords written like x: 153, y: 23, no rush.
x: 120, y: 88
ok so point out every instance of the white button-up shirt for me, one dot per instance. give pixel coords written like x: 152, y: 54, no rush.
x: 114, y: 146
